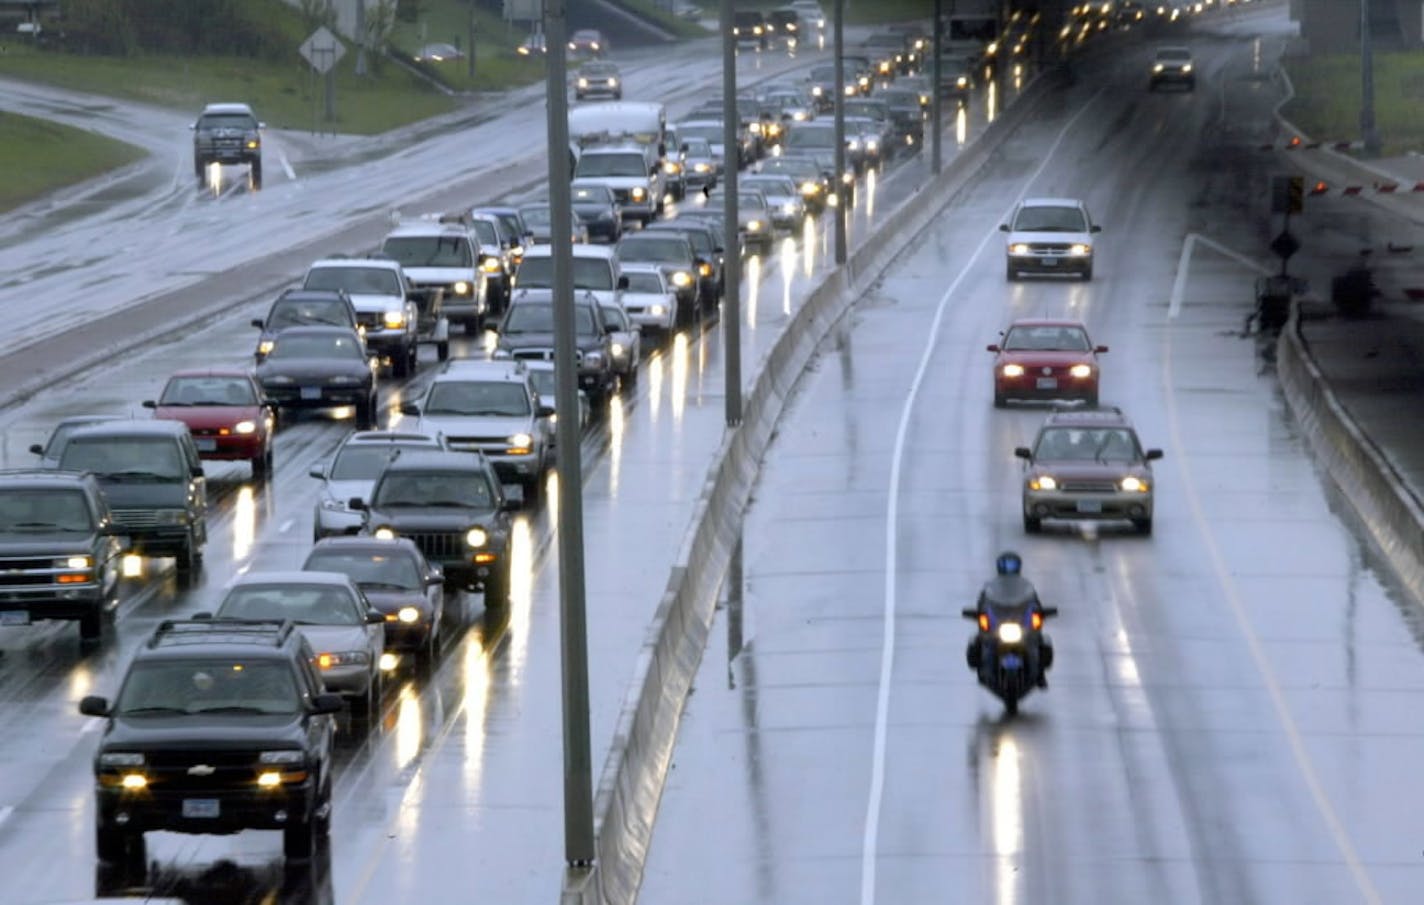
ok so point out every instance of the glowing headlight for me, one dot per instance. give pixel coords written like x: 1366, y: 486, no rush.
x: 754, y: 128
x: 617, y: 349
x: 639, y: 193
x: 612, y: 82
x: 490, y: 265
x: 672, y: 166
x: 1043, y: 482
x: 120, y: 759
x: 134, y: 781
x: 962, y: 81
x: 394, y: 319
x: 252, y: 144
x: 76, y: 562
x: 475, y: 537
x: 1018, y: 248
x: 384, y: 532
x: 1187, y: 67
x: 850, y: 89
x: 269, y: 779
x: 583, y: 83
x: 1080, y: 250
x: 1081, y: 371
x: 682, y: 279
x: 753, y: 226
x: 594, y: 45
x: 798, y: 115
x: 702, y: 167
x: 658, y: 310
x: 265, y: 347
x: 1132, y: 484
x: 789, y: 207
x: 1010, y: 633
x: 1013, y: 370
x: 873, y: 144
x: 1158, y: 67
x: 342, y: 658
x: 815, y: 90
x: 810, y: 187
x: 853, y: 144
x: 461, y: 288
x: 244, y: 427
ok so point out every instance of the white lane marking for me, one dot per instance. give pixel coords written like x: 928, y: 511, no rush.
x: 870, y: 841
x: 286, y: 165
x: 1238, y: 609
x: 286, y: 526
x: 1179, y: 285
x: 5, y: 813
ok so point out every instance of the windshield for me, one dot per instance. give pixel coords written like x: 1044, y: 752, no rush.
x: 1094, y: 444
x: 1050, y: 220
x: 227, y: 121
x: 466, y: 489
x: 44, y: 510
x: 208, y: 391
x: 305, y: 604
x: 796, y: 169
x: 615, y: 319
x: 592, y: 194
x: 649, y: 248
x: 355, y: 280
x: 645, y: 282
x: 589, y: 273
x: 477, y: 397
x: 376, y: 570
x: 598, y: 70
x: 202, y: 686
x: 708, y: 132
x: 62, y: 431
x: 698, y: 147
x: 428, y: 251
x: 778, y: 186
x: 813, y: 138
x: 538, y: 317
x: 1174, y: 54
x: 154, y: 458
x: 596, y: 165
x: 289, y: 346
x: 308, y: 313
x: 487, y: 232
x: 1047, y: 338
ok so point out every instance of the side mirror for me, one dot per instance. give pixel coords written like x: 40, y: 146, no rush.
x: 436, y: 575
x: 1098, y: 350
x: 326, y: 703
x: 509, y: 504
x: 375, y: 617
x: 1154, y: 454
x: 545, y: 411
x: 203, y: 616
x: 257, y: 322
x: 410, y: 408
x: 37, y: 449
x: 682, y: 147
x: 1022, y: 452
x: 357, y: 504
x: 318, y: 471
x: 197, y: 471
x: 513, y: 497
x: 1003, y: 227
x: 1095, y: 228
x: 992, y: 347
x: 150, y: 404
x: 93, y: 705
x: 1049, y: 611
x: 970, y: 612
x: 622, y: 282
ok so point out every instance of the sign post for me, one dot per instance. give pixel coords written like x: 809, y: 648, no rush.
x: 323, y: 51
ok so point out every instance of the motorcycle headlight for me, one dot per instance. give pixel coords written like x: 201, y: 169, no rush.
x: 244, y: 427
x: 1013, y: 370
x: 1043, y: 482
x: 1133, y: 484
x: 682, y: 279
x: 1081, y: 371
x: 810, y: 187
x: 393, y: 319
x: 475, y: 537
x: 672, y: 167
x: 1010, y: 632
x: 461, y: 288
x: 788, y: 207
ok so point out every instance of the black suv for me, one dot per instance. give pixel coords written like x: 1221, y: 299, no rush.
x: 304, y: 308
x: 527, y: 333
x: 228, y: 134
x: 219, y: 726
x: 60, y: 554
x: 454, y: 508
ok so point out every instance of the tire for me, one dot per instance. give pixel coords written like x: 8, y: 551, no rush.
x: 1011, y: 705
x: 187, y: 560
x: 442, y: 351
x: 1087, y: 273
x: 256, y: 174
x: 428, y: 655
x: 262, y: 465
x: 1000, y: 400
x: 369, y: 704
x: 497, y: 590
x: 1032, y: 525
x: 299, y: 840
x: 531, y: 488
x: 1143, y: 526
x: 91, y: 628
x: 1091, y: 400
x: 113, y: 846
x: 1010, y: 273
x: 366, y: 415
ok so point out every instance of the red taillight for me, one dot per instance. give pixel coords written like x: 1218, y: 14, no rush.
x: 983, y: 622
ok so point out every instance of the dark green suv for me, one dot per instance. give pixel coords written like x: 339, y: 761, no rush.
x: 219, y: 726
x: 454, y: 508
x: 228, y: 134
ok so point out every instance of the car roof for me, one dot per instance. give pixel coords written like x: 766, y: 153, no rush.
x: 298, y: 294
x: 381, y: 263
x: 1174, y: 49
x: 318, y: 330
x: 125, y: 427
x: 364, y: 543
x: 1108, y: 416
x: 391, y: 436
x: 1046, y: 322
x: 579, y: 250
x: 291, y: 576
x: 212, y: 372
x: 437, y: 460
x: 228, y: 108
x: 481, y: 369
x: 46, y: 477
x: 1051, y: 202
x: 428, y: 228
x: 226, y: 638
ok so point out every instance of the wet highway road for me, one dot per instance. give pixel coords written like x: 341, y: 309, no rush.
x: 1230, y: 711
x: 460, y: 784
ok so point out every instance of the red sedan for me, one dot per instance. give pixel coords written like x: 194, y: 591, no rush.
x: 225, y: 412
x: 1046, y: 359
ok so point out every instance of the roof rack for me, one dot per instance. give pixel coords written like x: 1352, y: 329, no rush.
x: 203, y: 629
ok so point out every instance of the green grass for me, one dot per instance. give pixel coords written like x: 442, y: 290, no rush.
x: 42, y: 156
x: 651, y: 11
x: 1326, y: 105
x: 497, y: 66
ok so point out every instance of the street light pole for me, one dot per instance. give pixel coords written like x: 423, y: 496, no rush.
x: 842, y: 205
x: 578, y: 762
x: 1368, y: 133
x: 731, y: 250
x: 936, y: 110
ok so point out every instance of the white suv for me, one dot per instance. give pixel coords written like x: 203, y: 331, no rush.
x: 1049, y: 235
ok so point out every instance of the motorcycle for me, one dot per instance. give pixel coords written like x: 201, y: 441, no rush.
x: 1010, y: 652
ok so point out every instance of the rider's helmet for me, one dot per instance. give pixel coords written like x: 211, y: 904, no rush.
x: 1009, y: 563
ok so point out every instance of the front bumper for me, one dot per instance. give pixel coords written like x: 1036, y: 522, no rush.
x: 1058, y: 504
x: 238, y: 809
x: 330, y: 522
x: 1036, y: 386
x: 232, y: 447
x: 351, y: 681
x: 52, y: 601
x: 1043, y: 262
x: 297, y: 396
x: 407, y: 636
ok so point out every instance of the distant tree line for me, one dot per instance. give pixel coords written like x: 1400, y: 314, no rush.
x: 198, y: 27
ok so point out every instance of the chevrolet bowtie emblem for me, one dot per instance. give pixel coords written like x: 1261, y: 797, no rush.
x: 201, y: 770
x: 1047, y: 370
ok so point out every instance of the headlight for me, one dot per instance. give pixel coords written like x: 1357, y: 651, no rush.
x: 1187, y: 67
x: 172, y: 517
x: 74, y: 562
x: 583, y: 83
x: 475, y: 537
x: 1080, y: 250
x: 864, y: 81
x: 612, y: 83
x: 502, y: 354
x: 962, y: 81
x: 393, y: 319
x: 1043, y: 482
x: 789, y: 207
x: 522, y: 440
x: 753, y: 226
x: 134, y: 781
x: 704, y: 270
x: 754, y: 128
x: 461, y: 288
x: 1012, y: 370
x: 638, y: 193
x: 850, y: 89
x: 342, y: 658
x: 252, y: 144
x: 657, y: 310
x: 702, y: 167
x: 810, y: 187
x: 1010, y: 632
x: 672, y: 166
x: 269, y: 779
x: 1132, y: 484
x: 244, y: 427
x: 815, y: 90
x: 853, y: 144
x: 120, y: 759
x: 873, y: 144
x: 1081, y: 371
x: 799, y: 115
x: 618, y: 350
x: 283, y: 758
x: 385, y: 532
x: 265, y: 346
x: 682, y: 279
x: 1018, y: 248
x: 490, y: 265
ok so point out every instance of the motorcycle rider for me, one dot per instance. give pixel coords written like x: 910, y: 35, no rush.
x: 1009, y: 584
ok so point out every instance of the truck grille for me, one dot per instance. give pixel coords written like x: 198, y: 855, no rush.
x: 441, y: 546
x: 1089, y: 487
x: 136, y: 518
x: 169, y: 770
x: 1049, y: 248
x: 478, y: 443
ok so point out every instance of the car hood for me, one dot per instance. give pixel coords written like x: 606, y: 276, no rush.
x: 623, y: 182
x: 1030, y: 358
x: 458, y: 426
x: 364, y: 302
x: 327, y: 639
x: 593, y: 209
x: 1052, y: 237
x: 1091, y: 471
x: 644, y: 299
x: 436, y: 275
x: 204, y: 732
x: 48, y: 543
x: 543, y: 341
x: 390, y: 600
x: 311, y: 367
x: 416, y: 519
x: 345, y: 490
x: 209, y: 416
x: 144, y: 495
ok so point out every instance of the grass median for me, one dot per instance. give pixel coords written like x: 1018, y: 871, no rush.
x: 46, y: 156
x: 1326, y: 105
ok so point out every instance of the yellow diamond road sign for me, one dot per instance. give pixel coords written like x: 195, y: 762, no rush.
x: 322, y: 49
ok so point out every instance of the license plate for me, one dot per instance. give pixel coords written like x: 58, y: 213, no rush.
x: 1049, y: 262
x: 311, y: 392
x: 1011, y: 661
x: 1090, y: 506
x: 205, y: 444
x: 200, y: 807
x: 15, y: 617
x: 1048, y: 383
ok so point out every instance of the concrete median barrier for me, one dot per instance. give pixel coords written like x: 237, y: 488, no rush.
x: 1390, y: 511
x: 645, y: 737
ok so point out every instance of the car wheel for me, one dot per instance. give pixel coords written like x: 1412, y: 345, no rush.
x: 91, y: 625
x: 1143, y: 525
x: 186, y: 561
x: 442, y: 351
x: 321, y: 817
x: 1010, y: 273
x: 532, y: 487
x: 256, y: 174
x: 120, y: 847
x: 1087, y: 273
x: 299, y: 839
x: 497, y: 590
x: 428, y: 654
x: 1091, y: 400
x: 1032, y: 525
x: 366, y: 415
x: 1000, y: 400
x: 262, y: 464
x: 368, y: 705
